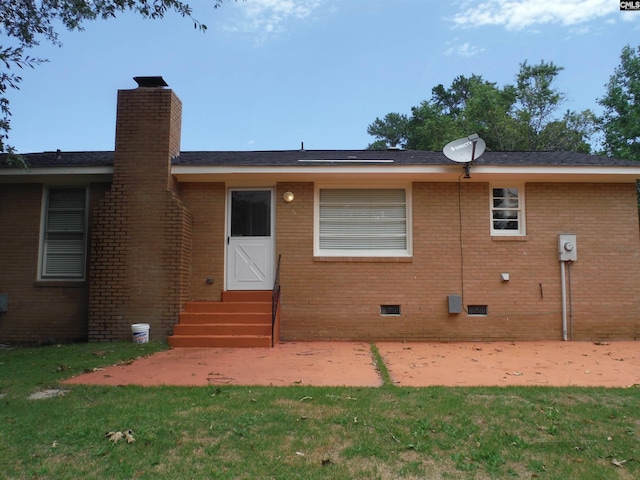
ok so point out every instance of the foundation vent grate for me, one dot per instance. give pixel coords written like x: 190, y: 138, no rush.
x: 476, y: 309
x: 390, y: 310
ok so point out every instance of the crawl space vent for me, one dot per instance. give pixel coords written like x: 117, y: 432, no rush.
x: 389, y: 310
x: 476, y: 309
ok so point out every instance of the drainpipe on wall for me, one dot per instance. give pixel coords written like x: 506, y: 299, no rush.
x: 564, y: 301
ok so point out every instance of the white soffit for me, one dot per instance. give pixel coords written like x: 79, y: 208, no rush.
x: 416, y: 173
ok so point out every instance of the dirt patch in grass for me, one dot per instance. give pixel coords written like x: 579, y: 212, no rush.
x: 305, y: 409
x: 48, y: 393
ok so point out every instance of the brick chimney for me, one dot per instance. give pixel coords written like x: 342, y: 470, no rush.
x: 141, y: 237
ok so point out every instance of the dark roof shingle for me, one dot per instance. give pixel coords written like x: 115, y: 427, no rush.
x: 277, y: 158
x: 65, y: 159
x: 396, y: 157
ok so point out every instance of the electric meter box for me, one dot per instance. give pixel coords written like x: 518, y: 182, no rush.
x: 567, y: 249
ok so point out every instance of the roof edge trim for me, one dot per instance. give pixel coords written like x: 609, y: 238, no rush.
x: 85, y: 170
x: 404, y: 169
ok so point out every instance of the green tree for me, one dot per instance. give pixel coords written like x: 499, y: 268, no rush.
x: 514, y: 117
x: 429, y: 127
x: 25, y: 23
x: 448, y: 114
x: 393, y: 129
x: 571, y: 133
x: 489, y: 113
x: 620, y: 122
x: 536, y: 101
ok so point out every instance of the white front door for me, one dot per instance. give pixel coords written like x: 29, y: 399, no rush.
x: 250, y: 243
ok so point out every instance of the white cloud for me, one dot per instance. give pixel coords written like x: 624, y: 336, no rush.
x: 462, y: 49
x: 268, y: 18
x: 520, y: 14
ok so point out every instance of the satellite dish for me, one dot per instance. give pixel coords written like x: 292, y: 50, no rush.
x: 465, y: 150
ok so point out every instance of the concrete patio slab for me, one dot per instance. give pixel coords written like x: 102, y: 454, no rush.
x: 588, y: 364
x: 312, y: 363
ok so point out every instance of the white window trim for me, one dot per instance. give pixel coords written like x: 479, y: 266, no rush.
x: 43, y: 226
x: 408, y: 252
x: 522, y: 217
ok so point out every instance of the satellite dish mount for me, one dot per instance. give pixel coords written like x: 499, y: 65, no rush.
x: 465, y: 150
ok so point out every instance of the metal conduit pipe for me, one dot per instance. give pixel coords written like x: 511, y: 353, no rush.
x: 564, y: 301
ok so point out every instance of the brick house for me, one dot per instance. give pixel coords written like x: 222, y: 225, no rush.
x: 371, y: 245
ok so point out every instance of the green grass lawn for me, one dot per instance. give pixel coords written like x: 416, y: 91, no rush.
x: 303, y: 432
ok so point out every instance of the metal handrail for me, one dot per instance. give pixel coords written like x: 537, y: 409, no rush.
x: 275, y: 301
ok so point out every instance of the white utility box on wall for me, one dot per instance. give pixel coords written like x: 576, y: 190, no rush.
x: 567, y: 249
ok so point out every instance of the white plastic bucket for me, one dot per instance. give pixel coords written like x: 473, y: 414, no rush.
x: 140, y: 332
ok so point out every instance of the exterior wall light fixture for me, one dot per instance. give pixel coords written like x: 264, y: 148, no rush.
x: 288, y: 197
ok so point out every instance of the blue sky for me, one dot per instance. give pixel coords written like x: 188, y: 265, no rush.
x: 270, y: 74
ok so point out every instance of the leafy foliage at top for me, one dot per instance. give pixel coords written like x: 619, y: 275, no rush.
x: 510, y: 118
x: 25, y: 23
x: 621, y: 118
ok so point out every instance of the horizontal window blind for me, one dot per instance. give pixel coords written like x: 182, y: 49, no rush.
x: 363, y: 219
x: 64, y: 243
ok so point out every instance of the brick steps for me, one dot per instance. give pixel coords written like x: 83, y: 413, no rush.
x: 223, y: 329
x: 221, y: 341
x: 227, y: 307
x: 241, y: 320
x: 263, y: 296
x: 237, y: 318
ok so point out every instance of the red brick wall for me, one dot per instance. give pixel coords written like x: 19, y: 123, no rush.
x: 39, y: 311
x: 340, y: 299
x: 141, y: 247
x: 206, y: 202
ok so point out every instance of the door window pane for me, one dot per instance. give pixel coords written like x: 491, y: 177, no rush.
x: 251, y: 213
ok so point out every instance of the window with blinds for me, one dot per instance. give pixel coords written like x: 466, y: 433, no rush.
x: 64, y: 234
x: 362, y: 222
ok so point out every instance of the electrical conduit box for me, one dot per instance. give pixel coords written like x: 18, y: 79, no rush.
x: 567, y: 250
x: 455, y: 303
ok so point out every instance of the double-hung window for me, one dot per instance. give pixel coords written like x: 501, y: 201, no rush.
x: 362, y: 222
x: 64, y: 233
x: 507, y: 210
